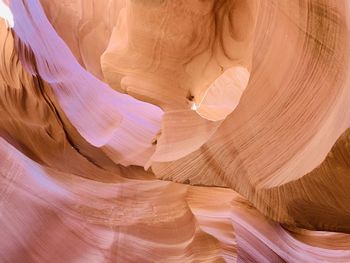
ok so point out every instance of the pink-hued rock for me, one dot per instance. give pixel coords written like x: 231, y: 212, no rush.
x: 49, y: 215
x: 125, y: 127
x: 174, y: 131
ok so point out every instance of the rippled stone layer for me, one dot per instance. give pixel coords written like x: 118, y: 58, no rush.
x: 231, y: 143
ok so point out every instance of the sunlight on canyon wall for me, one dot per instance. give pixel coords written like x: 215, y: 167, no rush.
x: 175, y: 131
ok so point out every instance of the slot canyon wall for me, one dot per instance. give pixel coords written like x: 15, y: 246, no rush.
x: 175, y: 131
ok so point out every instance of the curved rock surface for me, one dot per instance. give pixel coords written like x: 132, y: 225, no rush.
x: 174, y: 131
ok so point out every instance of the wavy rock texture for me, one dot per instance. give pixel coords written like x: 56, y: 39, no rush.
x: 174, y: 131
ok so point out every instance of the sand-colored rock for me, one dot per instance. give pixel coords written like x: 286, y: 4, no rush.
x: 238, y: 111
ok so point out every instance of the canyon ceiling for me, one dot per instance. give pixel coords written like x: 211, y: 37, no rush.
x: 175, y: 131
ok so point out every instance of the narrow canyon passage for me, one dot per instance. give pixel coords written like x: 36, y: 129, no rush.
x: 174, y: 131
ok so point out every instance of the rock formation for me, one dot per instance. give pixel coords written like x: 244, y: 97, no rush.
x: 174, y: 131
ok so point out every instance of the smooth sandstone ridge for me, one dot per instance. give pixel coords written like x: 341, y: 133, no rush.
x: 174, y: 131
